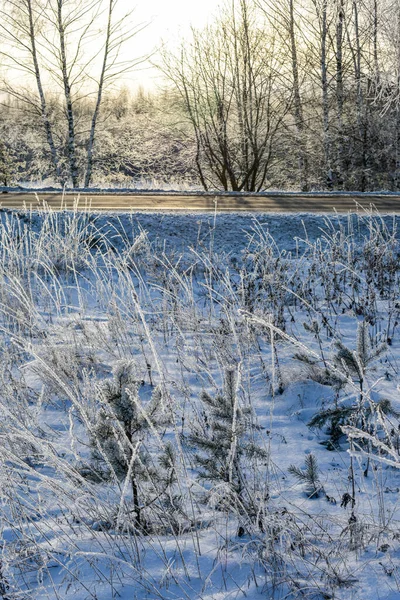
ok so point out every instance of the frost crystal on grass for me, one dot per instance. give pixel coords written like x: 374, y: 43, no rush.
x: 214, y: 413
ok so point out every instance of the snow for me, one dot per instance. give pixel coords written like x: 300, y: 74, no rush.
x: 180, y: 295
x: 150, y: 188
x: 179, y: 232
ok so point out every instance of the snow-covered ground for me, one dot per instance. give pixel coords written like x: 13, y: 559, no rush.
x: 114, y: 326
x: 165, y: 189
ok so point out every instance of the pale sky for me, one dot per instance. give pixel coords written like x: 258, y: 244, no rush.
x: 169, y: 20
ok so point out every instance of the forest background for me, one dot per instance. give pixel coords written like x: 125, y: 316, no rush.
x: 288, y: 94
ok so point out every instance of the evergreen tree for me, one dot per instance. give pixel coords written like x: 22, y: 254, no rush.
x: 356, y: 362
x: 223, y: 437
x: 6, y: 165
x: 123, y: 424
x: 341, y: 416
x: 309, y: 475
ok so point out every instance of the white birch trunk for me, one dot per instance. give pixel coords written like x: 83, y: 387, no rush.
x: 42, y: 98
x: 71, y: 147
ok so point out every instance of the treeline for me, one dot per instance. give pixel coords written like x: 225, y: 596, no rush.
x: 291, y: 94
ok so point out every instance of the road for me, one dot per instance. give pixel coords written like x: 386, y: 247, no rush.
x: 285, y: 203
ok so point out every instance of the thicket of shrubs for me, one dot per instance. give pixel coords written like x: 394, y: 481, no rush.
x: 139, y: 143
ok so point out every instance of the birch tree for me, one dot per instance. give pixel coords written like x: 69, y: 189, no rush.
x: 285, y: 19
x: 340, y: 82
x: 57, y: 45
x: 19, y: 24
x: 321, y: 8
x: 75, y: 22
x: 116, y: 36
x: 298, y: 106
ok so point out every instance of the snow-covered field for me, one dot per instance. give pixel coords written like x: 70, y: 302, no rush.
x: 199, y: 406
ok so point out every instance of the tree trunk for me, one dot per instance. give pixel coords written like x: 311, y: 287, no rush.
x: 43, y: 103
x: 298, y: 108
x: 375, y: 41
x: 360, y: 104
x: 325, y: 97
x: 339, y: 86
x: 136, y: 505
x: 68, y: 98
x: 89, y: 164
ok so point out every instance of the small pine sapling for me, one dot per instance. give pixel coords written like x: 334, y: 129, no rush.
x: 123, y: 424
x: 356, y: 362
x: 170, y: 503
x: 343, y: 416
x: 334, y: 419
x: 309, y: 475
x: 223, y: 439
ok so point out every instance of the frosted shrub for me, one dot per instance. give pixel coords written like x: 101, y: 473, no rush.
x: 63, y: 243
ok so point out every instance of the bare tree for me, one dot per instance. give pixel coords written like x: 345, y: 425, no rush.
x: 360, y: 101
x: 235, y: 98
x: 116, y: 36
x: 62, y: 24
x: 339, y: 80
x: 321, y: 8
x: 298, y: 107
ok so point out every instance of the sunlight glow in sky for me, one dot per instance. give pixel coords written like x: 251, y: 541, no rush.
x: 169, y: 20
x: 163, y: 22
